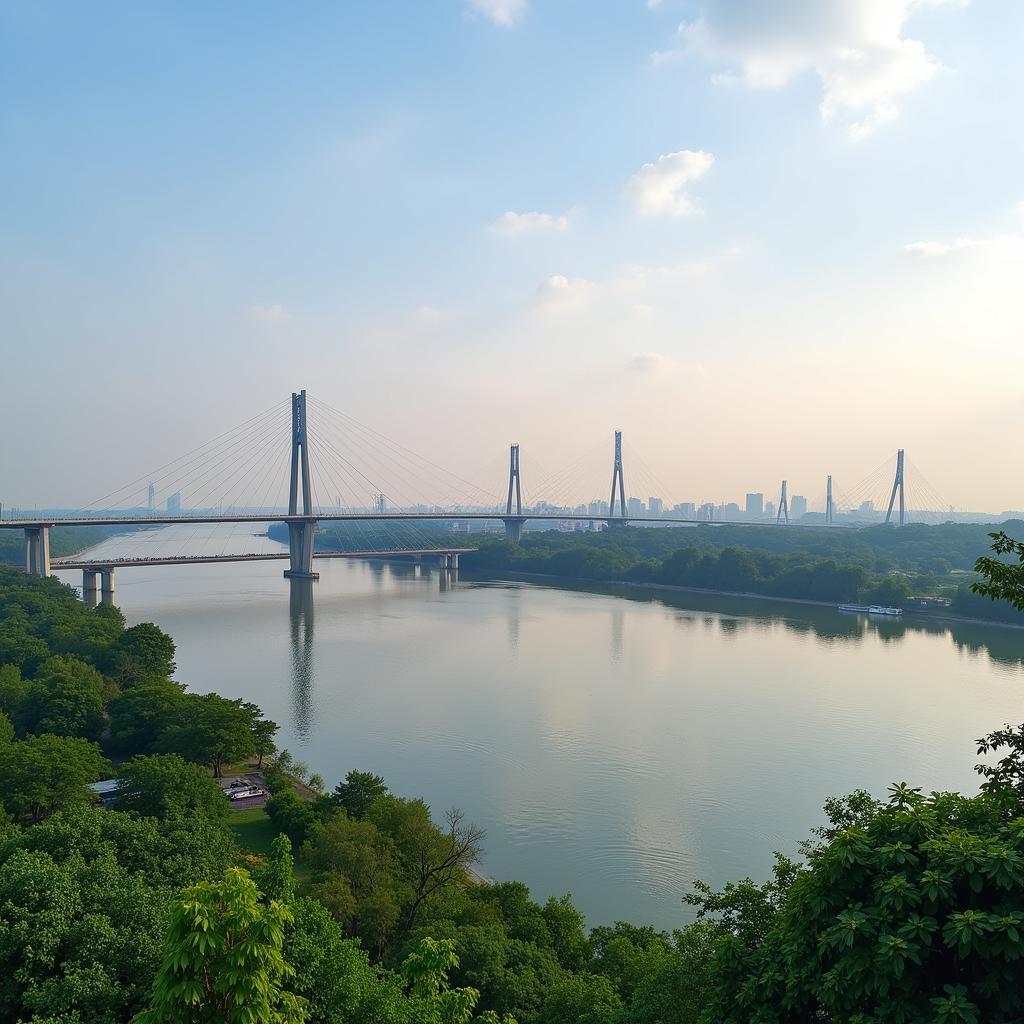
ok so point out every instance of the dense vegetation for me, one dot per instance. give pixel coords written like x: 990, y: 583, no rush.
x: 880, y: 565
x: 906, y: 910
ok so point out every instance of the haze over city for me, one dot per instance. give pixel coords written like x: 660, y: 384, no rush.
x: 762, y: 245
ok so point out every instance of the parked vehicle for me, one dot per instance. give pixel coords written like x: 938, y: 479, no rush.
x: 245, y: 792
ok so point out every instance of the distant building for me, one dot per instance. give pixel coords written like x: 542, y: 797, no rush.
x: 597, y: 508
x: 727, y: 512
x: 755, y: 504
x: 797, y: 506
x: 769, y: 509
x: 174, y: 502
x: 151, y: 505
x: 706, y: 511
x: 634, y: 507
x: 655, y: 506
x: 686, y: 510
x: 866, y: 507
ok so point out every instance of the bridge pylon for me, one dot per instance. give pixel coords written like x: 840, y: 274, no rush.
x: 301, y: 533
x: 828, y: 501
x: 783, y: 512
x: 617, y: 483
x: 897, y: 487
x: 513, y: 517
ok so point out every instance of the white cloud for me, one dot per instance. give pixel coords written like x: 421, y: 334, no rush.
x: 930, y: 250
x: 1020, y: 207
x: 502, y: 12
x: 511, y: 223
x: 559, y: 292
x: 651, y: 363
x: 660, y: 188
x: 274, y: 312
x: 858, y: 49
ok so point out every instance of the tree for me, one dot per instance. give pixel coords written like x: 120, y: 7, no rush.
x: 66, y: 699
x: 425, y: 970
x: 1002, y: 581
x: 913, y: 914
x: 581, y: 998
x: 6, y: 730
x: 357, y: 792
x: 1007, y: 775
x: 431, y: 858
x: 209, y: 729
x: 263, y: 733
x: 138, y: 716
x: 168, y: 786
x: 143, y: 653
x: 40, y: 774
x: 223, y: 959
x: 291, y: 814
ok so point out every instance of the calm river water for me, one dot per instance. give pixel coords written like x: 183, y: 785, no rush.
x: 615, y: 745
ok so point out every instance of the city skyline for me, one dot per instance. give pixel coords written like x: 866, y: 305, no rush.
x: 756, y: 260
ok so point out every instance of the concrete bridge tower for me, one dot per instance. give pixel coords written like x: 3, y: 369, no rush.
x: 513, y: 518
x: 301, y: 532
x: 617, y: 481
x: 783, y: 512
x: 897, y: 487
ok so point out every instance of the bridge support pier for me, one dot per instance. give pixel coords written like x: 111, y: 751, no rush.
x: 300, y: 551
x: 513, y: 529
x: 89, y: 595
x: 37, y: 550
x: 107, y: 590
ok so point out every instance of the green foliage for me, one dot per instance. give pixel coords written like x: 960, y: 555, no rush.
x: 41, y: 774
x: 6, y: 730
x: 210, y: 729
x: 1002, y: 580
x: 167, y: 786
x: 911, y: 915
x: 143, y: 653
x: 83, y: 903
x: 425, y: 970
x: 358, y: 792
x: 138, y: 717
x: 223, y: 959
x: 1007, y: 774
x: 295, y: 816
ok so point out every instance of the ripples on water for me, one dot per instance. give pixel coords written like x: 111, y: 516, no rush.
x: 617, y: 745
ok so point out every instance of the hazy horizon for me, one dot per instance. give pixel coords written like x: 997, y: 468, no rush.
x: 762, y: 247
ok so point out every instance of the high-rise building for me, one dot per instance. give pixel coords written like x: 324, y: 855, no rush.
x: 634, y: 507
x: 686, y: 510
x: 655, y: 506
x: 706, y: 511
x: 755, y: 504
x: 174, y: 502
x: 769, y: 509
x: 866, y: 507
x: 597, y: 508
x: 152, y: 498
x: 797, y: 506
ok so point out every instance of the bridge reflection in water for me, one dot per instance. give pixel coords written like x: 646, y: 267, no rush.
x: 301, y: 615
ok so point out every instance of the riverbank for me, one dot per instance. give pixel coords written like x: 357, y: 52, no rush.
x: 599, y: 585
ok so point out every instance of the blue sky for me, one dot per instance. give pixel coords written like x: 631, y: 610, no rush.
x: 544, y: 218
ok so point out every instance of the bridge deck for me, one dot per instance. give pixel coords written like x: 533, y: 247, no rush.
x: 263, y: 556
x: 362, y: 517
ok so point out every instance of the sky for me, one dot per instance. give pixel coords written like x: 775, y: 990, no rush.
x: 764, y: 240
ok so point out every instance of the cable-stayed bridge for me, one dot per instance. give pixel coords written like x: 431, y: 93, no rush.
x: 267, y: 471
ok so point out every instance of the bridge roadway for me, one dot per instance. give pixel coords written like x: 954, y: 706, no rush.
x: 323, y: 517
x: 95, y: 565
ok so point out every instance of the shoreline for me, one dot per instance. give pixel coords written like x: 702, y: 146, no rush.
x: 674, y: 588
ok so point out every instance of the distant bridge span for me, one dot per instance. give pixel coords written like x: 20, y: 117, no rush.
x: 302, y: 518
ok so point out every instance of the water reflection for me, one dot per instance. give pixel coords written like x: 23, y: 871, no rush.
x: 301, y: 620
x: 734, y: 617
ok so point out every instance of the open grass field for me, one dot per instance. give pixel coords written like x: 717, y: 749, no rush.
x: 254, y: 829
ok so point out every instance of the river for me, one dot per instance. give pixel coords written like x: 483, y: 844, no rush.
x: 615, y: 745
